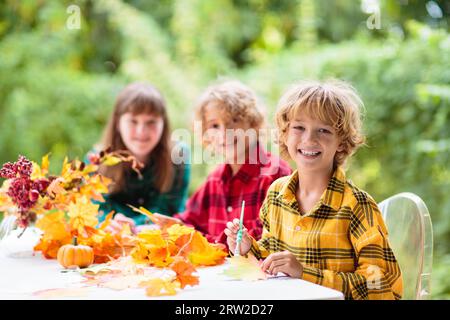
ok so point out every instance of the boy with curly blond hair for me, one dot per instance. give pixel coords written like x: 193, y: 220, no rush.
x: 232, y: 120
x: 318, y: 226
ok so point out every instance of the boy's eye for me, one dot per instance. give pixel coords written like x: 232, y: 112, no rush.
x: 133, y: 121
x: 323, y: 130
x: 301, y: 128
x: 214, y: 126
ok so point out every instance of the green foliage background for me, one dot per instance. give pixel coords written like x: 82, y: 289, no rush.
x: 58, y: 85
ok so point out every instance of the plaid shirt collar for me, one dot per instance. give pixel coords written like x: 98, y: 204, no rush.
x: 248, y: 170
x: 331, y: 197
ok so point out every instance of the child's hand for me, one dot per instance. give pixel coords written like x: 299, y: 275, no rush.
x: 117, y: 223
x: 165, y: 221
x: 282, y: 262
x: 231, y: 231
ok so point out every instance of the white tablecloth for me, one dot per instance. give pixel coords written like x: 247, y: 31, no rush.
x: 20, y: 277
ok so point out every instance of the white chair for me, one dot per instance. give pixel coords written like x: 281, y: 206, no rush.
x: 411, y: 238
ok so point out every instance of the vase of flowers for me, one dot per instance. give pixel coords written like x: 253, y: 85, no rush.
x: 18, y: 196
x: 31, y: 196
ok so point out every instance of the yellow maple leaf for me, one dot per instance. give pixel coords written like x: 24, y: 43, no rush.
x: 65, y: 167
x: 5, y: 201
x: 110, y: 160
x: 244, y: 268
x: 202, y: 253
x: 53, y: 225
x: 40, y: 172
x: 95, y: 186
x: 83, y: 213
x: 153, y: 237
x: 177, y: 230
x: 45, y: 163
x: 107, y: 221
x: 159, y: 287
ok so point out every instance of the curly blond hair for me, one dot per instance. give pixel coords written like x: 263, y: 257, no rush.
x: 334, y: 102
x: 237, y: 101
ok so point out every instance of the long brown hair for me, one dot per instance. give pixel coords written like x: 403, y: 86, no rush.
x: 139, y: 98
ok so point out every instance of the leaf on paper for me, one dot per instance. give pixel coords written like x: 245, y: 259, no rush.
x: 242, y: 268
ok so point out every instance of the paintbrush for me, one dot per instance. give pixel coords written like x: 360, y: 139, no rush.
x: 237, y: 250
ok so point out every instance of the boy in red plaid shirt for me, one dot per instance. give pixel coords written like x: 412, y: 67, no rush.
x: 231, y: 121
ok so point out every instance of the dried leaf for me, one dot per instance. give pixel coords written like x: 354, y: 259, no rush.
x: 55, y: 187
x: 202, y: 253
x: 160, y: 287
x: 95, y: 270
x: 53, y: 226
x: 145, y: 212
x: 242, y: 268
x: 110, y: 160
x: 83, y: 213
x: 184, y: 271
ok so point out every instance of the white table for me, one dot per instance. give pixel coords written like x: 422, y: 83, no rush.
x: 20, y: 277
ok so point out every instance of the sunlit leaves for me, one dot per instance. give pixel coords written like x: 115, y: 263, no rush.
x: 159, y: 249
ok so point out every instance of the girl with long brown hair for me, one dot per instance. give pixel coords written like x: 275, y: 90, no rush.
x: 139, y: 124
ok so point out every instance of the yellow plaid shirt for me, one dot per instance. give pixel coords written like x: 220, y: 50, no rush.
x: 342, y: 242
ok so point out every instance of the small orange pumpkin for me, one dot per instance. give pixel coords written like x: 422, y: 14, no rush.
x: 74, y: 255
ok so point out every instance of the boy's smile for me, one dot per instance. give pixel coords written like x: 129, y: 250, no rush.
x: 311, y: 143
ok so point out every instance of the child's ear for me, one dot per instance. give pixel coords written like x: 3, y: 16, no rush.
x: 340, y: 147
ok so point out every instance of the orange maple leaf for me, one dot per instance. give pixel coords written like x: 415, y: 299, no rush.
x: 202, y: 253
x: 55, y: 234
x: 184, y: 270
x: 55, y: 188
x: 53, y: 225
x: 50, y: 247
x: 159, y: 256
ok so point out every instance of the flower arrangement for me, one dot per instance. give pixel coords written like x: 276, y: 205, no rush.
x: 21, y: 189
x: 62, y: 206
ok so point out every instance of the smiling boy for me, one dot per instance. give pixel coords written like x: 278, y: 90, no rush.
x: 318, y: 226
